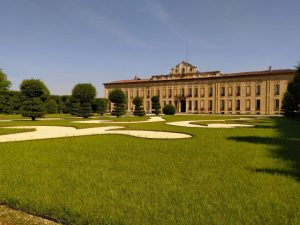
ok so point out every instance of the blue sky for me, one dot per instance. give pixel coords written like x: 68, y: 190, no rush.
x: 64, y: 42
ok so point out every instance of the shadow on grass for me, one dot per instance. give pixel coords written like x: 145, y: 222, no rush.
x: 287, y: 146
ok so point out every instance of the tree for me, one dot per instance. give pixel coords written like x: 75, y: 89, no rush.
x: 34, y: 107
x: 100, y: 105
x: 51, y: 106
x: 291, y: 100
x: 35, y: 95
x: 155, y: 105
x: 138, y: 109
x: 83, y: 95
x: 4, y: 83
x: 118, y: 97
x: 169, y: 110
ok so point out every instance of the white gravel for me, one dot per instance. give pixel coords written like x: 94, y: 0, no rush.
x: 46, y: 132
x: 150, y: 120
x: 211, y: 125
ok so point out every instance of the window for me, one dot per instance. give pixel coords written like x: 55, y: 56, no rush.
x: 210, y: 105
x: 276, y: 104
x: 257, y: 105
x: 148, y: 93
x: 238, y: 105
x: 202, y: 92
x: 158, y: 92
x: 210, y: 91
x: 131, y: 94
x: 258, y: 90
x: 190, y: 92
x: 148, y: 105
x: 248, y: 90
x: 202, y: 105
x: 170, y: 102
x: 165, y: 103
x: 126, y: 94
x: 137, y: 93
x: 183, y: 70
x: 222, y: 105
x: 230, y: 91
x: 142, y: 93
x: 277, y: 89
x: 196, y: 106
x: 175, y: 92
x: 165, y: 93
x: 190, y: 105
x: 222, y: 91
x: 191, y: 69
x: 182, y: 92
x: 238, y: 91
x: 248, y: 104
x: 195, y: 92
x: 230, y: 105
x: 170, y: 93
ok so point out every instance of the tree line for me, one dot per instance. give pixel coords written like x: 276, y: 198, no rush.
x: 34, y: 100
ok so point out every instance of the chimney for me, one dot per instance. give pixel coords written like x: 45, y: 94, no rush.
x: 270, y: 68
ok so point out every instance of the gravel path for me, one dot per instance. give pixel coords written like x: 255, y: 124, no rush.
x: 45, y: 132
x: 151, y: 120
x: 211, y: 125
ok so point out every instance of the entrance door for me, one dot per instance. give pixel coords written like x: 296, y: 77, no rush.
x: 183, y: 105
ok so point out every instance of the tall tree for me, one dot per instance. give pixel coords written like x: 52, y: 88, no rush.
x: 84, y: 94
x: 155, y: 105
x: 291, y: 100
x: 4, y: 83
x: 138, y: 109
x: 36, y: 95
x: 118, y: 97
x: 100, y: 105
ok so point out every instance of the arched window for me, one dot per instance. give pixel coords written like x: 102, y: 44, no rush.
x: 183, y: 70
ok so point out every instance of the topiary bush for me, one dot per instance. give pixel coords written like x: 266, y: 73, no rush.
x: 169, y: 110
x: 138, y: 110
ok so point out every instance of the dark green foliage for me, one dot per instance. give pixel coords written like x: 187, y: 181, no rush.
x: 84, y: 92
x: 118, y: 97
x: 138, y: 110
x: 169, y: 110
x: 83, y: 96
x: 85, y: 110
x: 4, y: 83
x: 35, y: 95
x: 155, y: 105
x: 100, y: 105
x: 119, y: 110
x: 34, y: 88
x: 33, y: 107
x: 291, y: 100
x: 74, y: 106
x: 66, y: 99
x: 51, y: 106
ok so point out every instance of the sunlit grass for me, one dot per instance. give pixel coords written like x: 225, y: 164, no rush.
x: 220, y: 176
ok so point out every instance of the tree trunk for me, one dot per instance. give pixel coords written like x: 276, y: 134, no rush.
x: 33, y: 118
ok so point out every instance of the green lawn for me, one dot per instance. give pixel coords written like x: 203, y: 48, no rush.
x: 219, y: 176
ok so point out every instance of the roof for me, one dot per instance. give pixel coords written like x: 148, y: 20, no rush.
x: 186, y: 64
x: 226, y: 75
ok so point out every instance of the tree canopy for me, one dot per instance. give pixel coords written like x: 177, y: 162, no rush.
x: 4, y: 83
x: 291, y: 100
x: 155, y: 105
x: 35, y: 95
x: 118, y: 97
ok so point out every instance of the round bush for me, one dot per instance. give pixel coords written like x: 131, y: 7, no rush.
x: 169, y: 110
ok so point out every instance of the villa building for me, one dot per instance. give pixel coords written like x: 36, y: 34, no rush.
x: 192, y: 91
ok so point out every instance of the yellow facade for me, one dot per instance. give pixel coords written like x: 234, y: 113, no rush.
x: 191, y: 91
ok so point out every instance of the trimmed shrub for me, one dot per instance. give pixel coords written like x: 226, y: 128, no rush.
x: 118, y: 97
x: 169, y: 110
x: 155, y: 105
x: 138, y: 110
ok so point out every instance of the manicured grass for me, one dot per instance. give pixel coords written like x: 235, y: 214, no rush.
x: 13, y: 131
x: 220, y: 176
